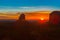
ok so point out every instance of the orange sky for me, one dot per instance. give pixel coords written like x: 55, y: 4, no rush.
x: 31, y: 15
x: 38, y: 15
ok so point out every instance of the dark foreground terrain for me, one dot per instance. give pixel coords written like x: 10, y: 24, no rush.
x: 13, y: 30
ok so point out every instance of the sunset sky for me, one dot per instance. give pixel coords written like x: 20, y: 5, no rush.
x: 37, y: 15
x: 11, y: 7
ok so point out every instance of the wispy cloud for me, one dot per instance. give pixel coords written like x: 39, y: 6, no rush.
x: 28, y: 9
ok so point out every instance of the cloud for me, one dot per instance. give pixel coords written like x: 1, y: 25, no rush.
x: 28, y: 9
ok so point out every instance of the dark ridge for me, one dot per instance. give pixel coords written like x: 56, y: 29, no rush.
x: 55, y: 12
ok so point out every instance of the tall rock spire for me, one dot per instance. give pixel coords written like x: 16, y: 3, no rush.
x: 22, y: 17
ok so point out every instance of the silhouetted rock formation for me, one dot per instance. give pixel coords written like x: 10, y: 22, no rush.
x: 22, y: 17
x: 21, y: 21
x: 55, y: 17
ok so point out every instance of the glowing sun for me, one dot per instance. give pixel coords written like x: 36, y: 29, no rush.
x: 41, y: 18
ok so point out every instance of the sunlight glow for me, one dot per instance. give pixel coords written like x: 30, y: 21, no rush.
x: 42, y: 18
